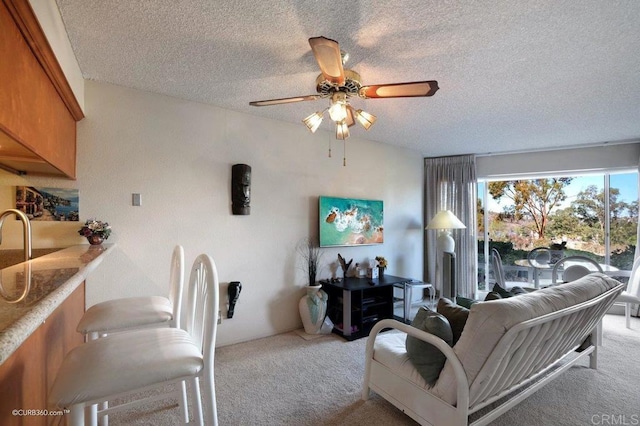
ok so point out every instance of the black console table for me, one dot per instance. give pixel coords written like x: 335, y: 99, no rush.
x: 356, y: 304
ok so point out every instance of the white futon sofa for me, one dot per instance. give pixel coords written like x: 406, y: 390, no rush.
x: 518, y: 343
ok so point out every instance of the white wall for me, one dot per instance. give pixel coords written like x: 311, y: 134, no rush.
x: 178, y: 155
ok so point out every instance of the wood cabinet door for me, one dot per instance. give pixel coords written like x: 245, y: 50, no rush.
x: 27, y: 375
x: 34, y: 113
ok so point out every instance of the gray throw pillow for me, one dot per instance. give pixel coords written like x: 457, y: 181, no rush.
x: 425, y: 357
x: 456, y: 315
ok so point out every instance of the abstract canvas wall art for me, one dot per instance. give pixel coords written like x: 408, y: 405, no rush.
x: 350, y: 221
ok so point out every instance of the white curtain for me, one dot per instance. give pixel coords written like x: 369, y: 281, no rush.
x: 450, y: 184
x: 637, y: 253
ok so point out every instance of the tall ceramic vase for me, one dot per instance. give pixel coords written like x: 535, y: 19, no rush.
x: 313, y: 310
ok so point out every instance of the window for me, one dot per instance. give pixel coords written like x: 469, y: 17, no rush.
x: 593, y: 215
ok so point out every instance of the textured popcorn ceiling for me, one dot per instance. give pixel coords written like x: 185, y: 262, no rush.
x: 513, y: 75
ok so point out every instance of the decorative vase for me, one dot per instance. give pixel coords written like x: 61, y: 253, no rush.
x: 313, y: 310
x: 95, y: 240
x: 380, y: 272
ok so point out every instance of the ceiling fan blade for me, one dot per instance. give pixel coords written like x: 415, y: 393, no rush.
x: 400, y: 90
x: 327, y: 53
x: 285, y: 100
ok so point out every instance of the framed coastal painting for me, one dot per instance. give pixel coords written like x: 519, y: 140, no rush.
x: 48, y: 204
x: 350, y: 222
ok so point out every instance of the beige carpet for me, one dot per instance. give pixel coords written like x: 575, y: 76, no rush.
x: 287, y: 380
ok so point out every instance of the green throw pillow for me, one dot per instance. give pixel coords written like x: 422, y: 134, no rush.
x: 492, y: 296
x: 503, y: 292
x: 465, y: 302
x: 425, y: 357
x: 456, y: 315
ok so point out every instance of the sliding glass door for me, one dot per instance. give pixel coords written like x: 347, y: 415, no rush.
x: 593, y: 215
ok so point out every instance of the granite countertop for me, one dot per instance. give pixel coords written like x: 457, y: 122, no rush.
x: 31, y: 291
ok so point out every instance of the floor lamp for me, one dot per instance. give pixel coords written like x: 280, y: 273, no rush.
x: 444, y: 221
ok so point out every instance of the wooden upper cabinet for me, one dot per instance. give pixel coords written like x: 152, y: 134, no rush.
x: 38, y: 110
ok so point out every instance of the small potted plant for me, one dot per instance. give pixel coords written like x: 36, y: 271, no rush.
x: 382, y: 265
x: 310, y: 253
x: 556, y: 252
x: 95, y: 231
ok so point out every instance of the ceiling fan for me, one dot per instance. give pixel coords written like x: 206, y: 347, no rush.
x: 339, y: 84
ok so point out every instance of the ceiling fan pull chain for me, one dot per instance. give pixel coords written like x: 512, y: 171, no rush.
x: 344, y: 152
x: 329, y: 147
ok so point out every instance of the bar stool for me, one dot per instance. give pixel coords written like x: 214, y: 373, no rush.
x: 123, y: 363
x: 136, y: 312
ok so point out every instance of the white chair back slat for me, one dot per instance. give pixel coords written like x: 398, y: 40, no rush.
x: 498, y: 272
x: 203, y: 299
x: 531, y: 346
x: 176, y: 284
x: 633, y: 286
x: 202, y: 323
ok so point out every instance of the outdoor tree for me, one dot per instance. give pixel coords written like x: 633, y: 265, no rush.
x: 589, y: 208
x: 480, y: 216
x: 534, y: 199
x: 565, y: 223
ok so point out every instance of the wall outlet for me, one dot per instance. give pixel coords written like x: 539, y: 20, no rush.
x: 219, y: 317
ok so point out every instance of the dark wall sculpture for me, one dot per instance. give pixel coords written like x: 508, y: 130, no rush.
x: 235, y: 287
x: 241, y: 189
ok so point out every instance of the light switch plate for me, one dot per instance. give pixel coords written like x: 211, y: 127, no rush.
x: 136, y: 200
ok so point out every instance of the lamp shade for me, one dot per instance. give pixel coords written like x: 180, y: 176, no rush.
x: 445, y: 220
x: 313, y: 121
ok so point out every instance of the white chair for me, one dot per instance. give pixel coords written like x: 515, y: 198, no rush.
x: 124, y: 363
x: 137, y: 312
x: 631, y: 296
x: 539, y: 259
x: 574, y: 267
x: 498, y: 271
x: 539, y: 256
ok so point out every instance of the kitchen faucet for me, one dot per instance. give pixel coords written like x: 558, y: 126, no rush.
x: 26, y: 226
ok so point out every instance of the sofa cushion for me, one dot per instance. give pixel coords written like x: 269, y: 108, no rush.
x: 390, y: 350
x: 425, y: 357
x: 489, y: 321
x: 456, y: 315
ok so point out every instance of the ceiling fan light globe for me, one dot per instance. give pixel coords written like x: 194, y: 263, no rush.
x: 365, y: 119
x: 313, y: 121
x: 338, y: 112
